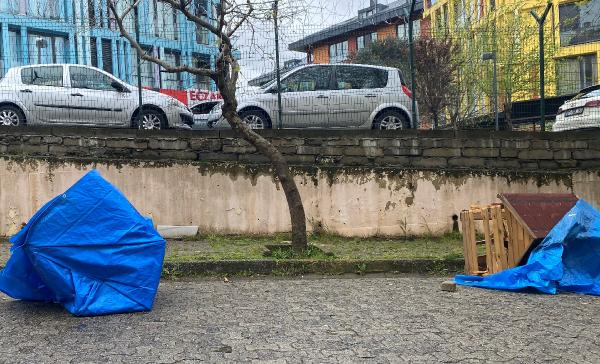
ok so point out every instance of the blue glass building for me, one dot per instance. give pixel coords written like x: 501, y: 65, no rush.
x: 85, y: 32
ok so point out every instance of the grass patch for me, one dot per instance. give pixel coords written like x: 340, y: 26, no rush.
x: 252, y: 247
x: 312, y: 252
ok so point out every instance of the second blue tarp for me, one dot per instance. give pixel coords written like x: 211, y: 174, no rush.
x: 88, y: 249
x: 567, y: 260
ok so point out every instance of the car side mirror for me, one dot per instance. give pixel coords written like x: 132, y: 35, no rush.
x: 118, y: 86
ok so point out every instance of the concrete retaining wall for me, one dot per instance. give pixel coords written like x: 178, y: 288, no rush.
x: 353, y: 183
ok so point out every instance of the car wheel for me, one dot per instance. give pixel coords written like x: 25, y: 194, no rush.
x: 11, y: 116
x: 256, y: 119
x: 152, y: 120
x: 391, y: 120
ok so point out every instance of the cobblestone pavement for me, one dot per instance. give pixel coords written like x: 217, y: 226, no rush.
x: 320, y: 320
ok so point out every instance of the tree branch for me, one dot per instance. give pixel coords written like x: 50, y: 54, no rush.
x: 143, y: 55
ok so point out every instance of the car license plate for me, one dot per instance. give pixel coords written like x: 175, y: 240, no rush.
x: 572, y: 112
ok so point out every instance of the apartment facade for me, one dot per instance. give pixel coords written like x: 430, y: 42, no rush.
x: 85, y: 32
x: 575, y: 26
x: 336, y: 44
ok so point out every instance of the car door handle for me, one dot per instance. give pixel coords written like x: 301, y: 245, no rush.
x: 77, y: 94
x: 27, y: 91
x: 370, y: 95
x: 322, y: 97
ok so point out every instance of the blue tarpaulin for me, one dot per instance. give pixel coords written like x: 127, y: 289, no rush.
x: 567, y: 260
x: 88, y: 249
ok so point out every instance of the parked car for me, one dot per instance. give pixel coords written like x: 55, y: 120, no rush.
x: 328, y: 96
x: 581, y: 112
x: 201, y: 111
x: 68, y: 94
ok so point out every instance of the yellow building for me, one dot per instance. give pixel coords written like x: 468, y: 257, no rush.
x: 572, y: 26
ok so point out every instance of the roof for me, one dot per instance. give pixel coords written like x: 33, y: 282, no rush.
x: 538, y: 212
x: 395, y: 9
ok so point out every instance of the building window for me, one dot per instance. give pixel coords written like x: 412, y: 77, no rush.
x: 49, y: 9
x: 460, y: 15
x: 201, y: 10
x: 16, y: 58
x: 46, y: 49
x: 91, y: 13
x: 575, y: 73
x: 107, y: 56
x: 93, y: 52
x: 166, y: 21
x: 338, y: 52
x: 579, y: 22
x: 439, y: 22
x: 365, y: 40
x: 171, y: 80
x: 201, y: 61
x: 146, y: 72
x: 10, y: 6
x: 445, y: 15
x: 403, y: 30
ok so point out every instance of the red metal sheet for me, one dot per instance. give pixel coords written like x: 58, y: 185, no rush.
x: 539, y: 211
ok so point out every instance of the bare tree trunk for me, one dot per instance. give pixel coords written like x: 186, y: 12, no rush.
x: 292, y: 195
x: 436, y: 117
x: 225, y: 76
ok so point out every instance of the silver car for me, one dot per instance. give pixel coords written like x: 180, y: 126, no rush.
x: 67, y: 94
x: 328, y: 96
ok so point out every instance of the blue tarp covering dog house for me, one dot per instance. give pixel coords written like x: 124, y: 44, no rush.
x: 567, y: 260
x: 88, y: 249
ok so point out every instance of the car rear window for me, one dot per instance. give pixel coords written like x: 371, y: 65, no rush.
x: 350, y: 78
x: 401, y: 75
x: 43, y: 76
x: 595, y: 93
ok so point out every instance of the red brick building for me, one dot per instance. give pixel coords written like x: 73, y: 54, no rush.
x: 378, y: 21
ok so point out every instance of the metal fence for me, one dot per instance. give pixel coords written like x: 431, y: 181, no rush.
x: 468, y: 64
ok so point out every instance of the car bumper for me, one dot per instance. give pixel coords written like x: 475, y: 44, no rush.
x: 584, y: 121
x: 179, y: 118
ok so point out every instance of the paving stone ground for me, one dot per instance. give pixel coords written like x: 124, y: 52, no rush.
x: 317, y: 320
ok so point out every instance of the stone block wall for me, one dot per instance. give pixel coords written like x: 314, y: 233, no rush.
x: 485, y: 150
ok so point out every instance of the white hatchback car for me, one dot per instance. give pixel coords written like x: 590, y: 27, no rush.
x: 581, y: 112
x: 68, y: 94
x: 328, y: 96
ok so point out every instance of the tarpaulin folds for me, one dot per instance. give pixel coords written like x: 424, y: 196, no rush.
x: 88, y: 249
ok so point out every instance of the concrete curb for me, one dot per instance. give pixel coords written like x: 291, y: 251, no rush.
x: 299, y: 267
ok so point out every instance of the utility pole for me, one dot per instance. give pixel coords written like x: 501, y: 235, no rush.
x: 541, y: 20
x: 411, y: 46
x: 487, y: 57
x: 277, y: 69
x: 139, y: 65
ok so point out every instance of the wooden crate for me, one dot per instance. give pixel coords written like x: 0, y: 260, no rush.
x: 510, y: 228
x: 506, y: 241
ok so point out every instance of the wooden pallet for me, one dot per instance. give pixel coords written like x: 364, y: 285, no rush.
x: 506, y: 240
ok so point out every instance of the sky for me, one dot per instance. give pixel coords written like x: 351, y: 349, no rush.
x: 257, y: 43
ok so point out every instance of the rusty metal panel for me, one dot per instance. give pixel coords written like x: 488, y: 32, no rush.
x: 538, y: 212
